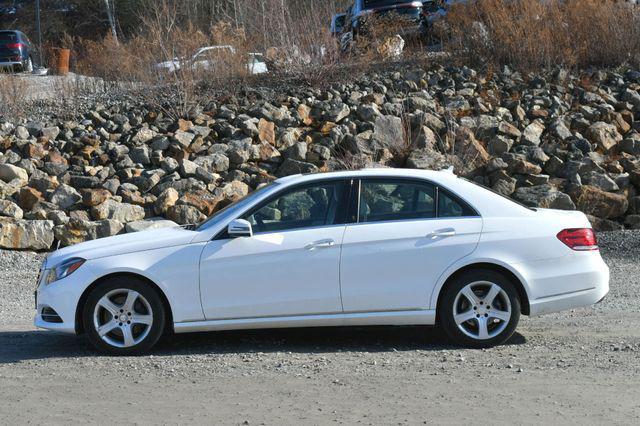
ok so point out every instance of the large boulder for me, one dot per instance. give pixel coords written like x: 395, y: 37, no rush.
x: 471, y: 153
x: 10, y: 209
x: 122, y: 212
x: 605, y: 135
x: 26, y: 234
x: 544, y: 196
x: 185, y: 215
x: 78, y: 231
x: 596, y: 202
x: 388, y: 132
x: 9, y: 172
x: 149, y: 224
x: 65, y: 196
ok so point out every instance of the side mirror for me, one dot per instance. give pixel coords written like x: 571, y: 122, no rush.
x: 239, y: 228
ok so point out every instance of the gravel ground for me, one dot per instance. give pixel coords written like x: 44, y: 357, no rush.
x: 575, y: 367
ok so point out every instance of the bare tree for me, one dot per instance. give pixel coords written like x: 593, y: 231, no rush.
x: 111, y: 15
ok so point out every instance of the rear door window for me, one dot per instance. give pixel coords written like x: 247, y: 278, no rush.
x: 387, y: 200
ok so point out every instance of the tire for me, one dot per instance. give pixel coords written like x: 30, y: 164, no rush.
x: 476, y: 324
x: 124, y: 316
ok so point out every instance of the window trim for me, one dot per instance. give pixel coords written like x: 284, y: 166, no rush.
x: 417, y: 181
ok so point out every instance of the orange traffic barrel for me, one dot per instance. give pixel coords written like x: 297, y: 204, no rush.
x: 62, y: 67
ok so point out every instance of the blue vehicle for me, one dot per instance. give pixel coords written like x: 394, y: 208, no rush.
x: 16, y: 51
x: 361, y: 10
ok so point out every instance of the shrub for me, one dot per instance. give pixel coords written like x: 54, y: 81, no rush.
x: 536, y: 33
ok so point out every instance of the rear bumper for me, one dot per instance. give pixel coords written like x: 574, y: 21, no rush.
x: 580, y: 280
x: 572, y: 300
x: 9, y: 64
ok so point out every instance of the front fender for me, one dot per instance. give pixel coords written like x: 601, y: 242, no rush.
x: 175, y: 270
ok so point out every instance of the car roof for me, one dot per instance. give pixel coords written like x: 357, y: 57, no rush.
x: 370, y: 172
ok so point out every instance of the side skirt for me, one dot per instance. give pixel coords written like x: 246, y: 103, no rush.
x: 422, y: 317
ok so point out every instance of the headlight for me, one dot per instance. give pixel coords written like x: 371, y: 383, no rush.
x: 64, y: 269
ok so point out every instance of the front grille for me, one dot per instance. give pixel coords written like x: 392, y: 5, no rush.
x: 49, y: 315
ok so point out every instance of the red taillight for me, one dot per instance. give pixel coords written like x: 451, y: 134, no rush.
x: 582, y: 239
x: 14, y: 45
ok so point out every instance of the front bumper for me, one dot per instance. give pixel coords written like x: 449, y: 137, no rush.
x: 62, y: 297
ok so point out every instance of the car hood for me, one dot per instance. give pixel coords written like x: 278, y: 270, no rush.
x: 123, y: 244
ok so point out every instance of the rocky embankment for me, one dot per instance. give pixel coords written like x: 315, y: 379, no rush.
x: 557, y: 140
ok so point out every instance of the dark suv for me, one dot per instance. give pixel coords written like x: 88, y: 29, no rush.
x: 361, y: 10
x: 16, y: 51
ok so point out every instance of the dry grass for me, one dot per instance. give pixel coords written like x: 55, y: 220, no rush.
x: 530, y: 34
x: 13, y: 92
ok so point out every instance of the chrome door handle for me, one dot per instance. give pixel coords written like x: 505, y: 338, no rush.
x: 320, y: 244
x: 442, y: 233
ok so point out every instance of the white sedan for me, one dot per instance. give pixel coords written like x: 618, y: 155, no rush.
x: 210, y: 57
x: 370, y: 247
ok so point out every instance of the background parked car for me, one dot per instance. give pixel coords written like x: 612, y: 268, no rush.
x: 362, y: 10
x: 210, y: 57
x: 16, y: 51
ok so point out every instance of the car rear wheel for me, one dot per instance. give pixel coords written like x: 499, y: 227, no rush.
x: 124, y: 316
x: 480, y: 309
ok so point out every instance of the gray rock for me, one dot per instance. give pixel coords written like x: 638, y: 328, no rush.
x: 532, y: 134
x: 293, y: 167
x: 183, y: 139
x: 150, y: 224
x: 499, y: 145
x: 605, y: 135
x: 388, y: 132
x: 9, y: 172
x: 185, y: 215
x: 368, y: 112
x: 21, y: 132
x: 544, y: 196
x: 143, y: 135
x: 65, y: 197
x: 426, y: 159
x: 297, y: 152
x: 26, y: 234
x: 122, y: 212
x: 50, y: 133
x: 10, y: 209
x: 602, y: 181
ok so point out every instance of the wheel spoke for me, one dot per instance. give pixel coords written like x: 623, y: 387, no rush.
x: 483, y: 330
x: 471, y: 296
x: 465, y: 316
x: 127, y: 334
x: 501, y: 315
x: 491, y: 295
x: 109, y: 305
x: 107, y: 327
x: 141, y: 319
x: 132, y: 296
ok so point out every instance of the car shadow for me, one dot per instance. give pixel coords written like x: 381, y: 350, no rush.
x: 16, y: 346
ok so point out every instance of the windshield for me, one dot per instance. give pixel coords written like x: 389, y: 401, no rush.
x: 234, y: 208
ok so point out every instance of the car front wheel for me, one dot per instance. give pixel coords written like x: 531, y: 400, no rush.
x: 124, y: 316
x: 480, y: 309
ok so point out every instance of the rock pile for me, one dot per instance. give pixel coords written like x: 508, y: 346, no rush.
x: 555, y: 140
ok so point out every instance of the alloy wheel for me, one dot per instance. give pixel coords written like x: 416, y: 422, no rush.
x: 482, y: 310
x: 122, y: 318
